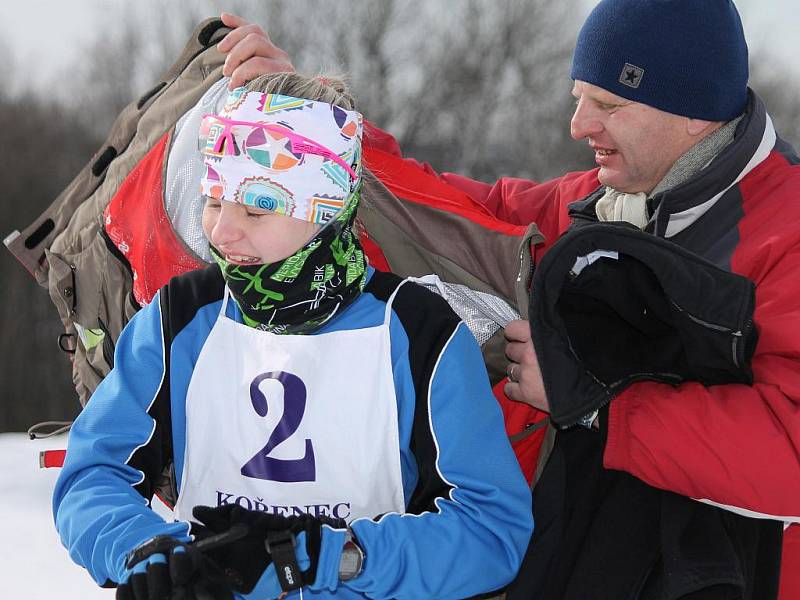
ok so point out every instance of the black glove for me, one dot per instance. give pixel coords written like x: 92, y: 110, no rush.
x: 288, y: 542
x: 164, y: 568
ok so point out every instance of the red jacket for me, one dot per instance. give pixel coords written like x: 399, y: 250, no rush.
x: 736, y: 446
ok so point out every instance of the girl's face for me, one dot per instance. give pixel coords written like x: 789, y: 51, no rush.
x: 245, y: 235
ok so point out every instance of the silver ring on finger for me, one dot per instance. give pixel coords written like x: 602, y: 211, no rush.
x: 510, y: 372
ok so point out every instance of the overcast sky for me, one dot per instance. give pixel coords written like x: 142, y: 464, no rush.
x: 46, y: 35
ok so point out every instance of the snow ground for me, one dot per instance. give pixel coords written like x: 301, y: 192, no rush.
x: 33, y: 563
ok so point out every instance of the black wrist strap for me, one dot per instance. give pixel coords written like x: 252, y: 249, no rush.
x: 280, y: 544
x: 160, y: 544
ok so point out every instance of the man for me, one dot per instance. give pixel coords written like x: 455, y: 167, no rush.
x: 687, y: 153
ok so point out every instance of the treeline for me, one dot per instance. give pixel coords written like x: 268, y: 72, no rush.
x: 475, y: 87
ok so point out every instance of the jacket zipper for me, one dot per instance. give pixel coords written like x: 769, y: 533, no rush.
x: 740, y: 335
x: 736, y: 335
x: 602, y: 405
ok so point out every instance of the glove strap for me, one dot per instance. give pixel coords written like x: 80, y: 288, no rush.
x: 281, y: 544
x: 160, y: 544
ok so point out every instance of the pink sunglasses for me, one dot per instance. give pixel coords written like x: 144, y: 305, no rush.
x: 300, y: 143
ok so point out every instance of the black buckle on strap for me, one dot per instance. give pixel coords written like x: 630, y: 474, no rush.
x: 281, y: 544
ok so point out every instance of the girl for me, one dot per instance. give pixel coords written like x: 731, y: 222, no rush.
x: 331, y: 427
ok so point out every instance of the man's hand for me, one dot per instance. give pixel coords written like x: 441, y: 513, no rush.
x: 250, y: 52
x: 525, y: 379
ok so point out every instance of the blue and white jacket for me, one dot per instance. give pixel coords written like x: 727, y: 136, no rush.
x: 460, y: 477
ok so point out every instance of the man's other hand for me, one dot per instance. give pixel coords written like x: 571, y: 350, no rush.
x: 525, y: 379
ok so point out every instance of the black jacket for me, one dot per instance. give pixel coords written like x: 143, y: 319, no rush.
x: 612, y: 305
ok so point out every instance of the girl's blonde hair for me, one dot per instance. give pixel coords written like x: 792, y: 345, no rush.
x: 322, y: 88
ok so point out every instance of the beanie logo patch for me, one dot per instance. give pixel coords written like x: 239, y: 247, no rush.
x: 631, y: 75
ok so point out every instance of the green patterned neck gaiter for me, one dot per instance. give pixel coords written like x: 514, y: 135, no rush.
x: 302, y: 292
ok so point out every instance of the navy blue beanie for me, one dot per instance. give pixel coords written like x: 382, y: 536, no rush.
x: 686, y: 57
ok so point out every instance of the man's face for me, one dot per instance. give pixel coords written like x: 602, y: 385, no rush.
x: 634, y: 144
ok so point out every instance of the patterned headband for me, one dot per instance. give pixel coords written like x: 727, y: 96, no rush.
x: 292, y: 156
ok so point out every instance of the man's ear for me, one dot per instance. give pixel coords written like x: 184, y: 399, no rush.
x: 699, y: 127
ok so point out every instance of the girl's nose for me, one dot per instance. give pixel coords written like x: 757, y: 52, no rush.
x: 227, y: 228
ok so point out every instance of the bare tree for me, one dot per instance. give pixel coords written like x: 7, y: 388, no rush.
x: 478, y: 87
x: 780, y: 96
x: 43, y: 147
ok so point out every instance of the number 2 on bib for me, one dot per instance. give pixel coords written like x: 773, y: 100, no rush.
x: 263, y: 466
